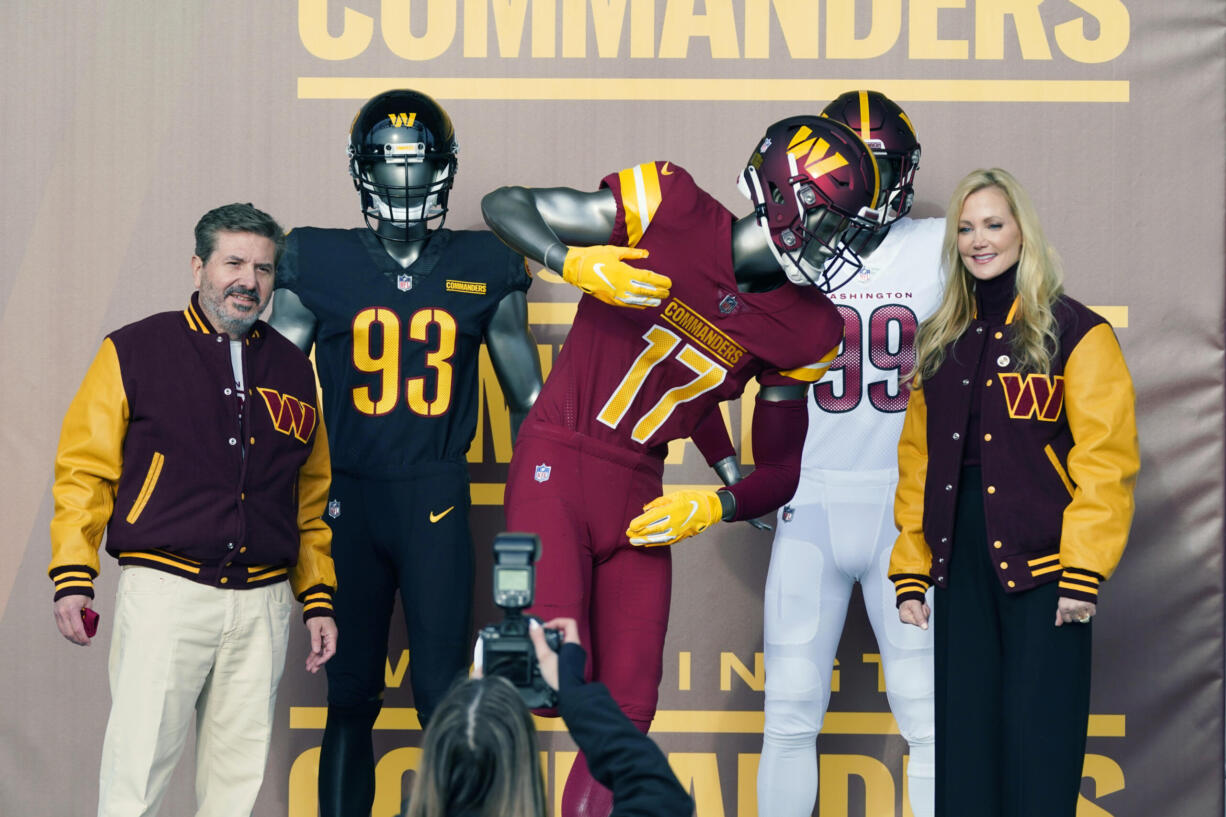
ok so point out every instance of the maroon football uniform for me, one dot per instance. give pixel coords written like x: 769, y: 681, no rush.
x: 641, y: 377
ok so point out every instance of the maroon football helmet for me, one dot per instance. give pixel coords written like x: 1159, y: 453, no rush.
x: 814, y: 186
x: 888, y: 132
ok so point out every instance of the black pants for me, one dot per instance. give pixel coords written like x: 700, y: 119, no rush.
x: 409, y: 536
x: 1012, y: 689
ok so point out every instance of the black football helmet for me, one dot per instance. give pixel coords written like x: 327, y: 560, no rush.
x: 403, y: 160
x: 889, y: 134
x: 814, y: 185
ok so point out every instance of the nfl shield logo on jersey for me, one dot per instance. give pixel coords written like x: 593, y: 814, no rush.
x: 404, y: 282
x: 542, y: 473
x: 334, y: 508
x: 788, y: 513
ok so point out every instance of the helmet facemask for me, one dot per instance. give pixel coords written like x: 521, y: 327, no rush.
x: 405, y: 192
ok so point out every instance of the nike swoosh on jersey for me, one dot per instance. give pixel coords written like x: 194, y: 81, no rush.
x: 436, y: 517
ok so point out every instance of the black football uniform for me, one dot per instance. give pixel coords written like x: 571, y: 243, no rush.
x: 397, y: 354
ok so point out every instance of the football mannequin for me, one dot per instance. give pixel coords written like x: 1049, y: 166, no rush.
x: 396, y: 313
x: 684, y: 304
x: 838, y: 528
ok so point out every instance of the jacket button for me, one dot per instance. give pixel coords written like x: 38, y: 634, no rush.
x: 998, y: 336
x: 940, y: 560
x: 991, y: 489
x: 978, y: 330
x: 997, y: 544
x: 987, y: 438
x: 940, y: 580
x: 947, y: 487
x: 957, y: 436
x: 252, y: 441
x: 224, y: 580
x: 219, y: 338
x: 1004, y: 565
x: 944, y: 539
x: 242, y: 549
x: 966, y: 381
x: 229, y: 546
x: 233, y: 441
x: 1002, y: 361
x: 228, y: 392
x: 1012, y: 584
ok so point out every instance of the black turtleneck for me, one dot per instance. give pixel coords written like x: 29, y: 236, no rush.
x: 994, y: 298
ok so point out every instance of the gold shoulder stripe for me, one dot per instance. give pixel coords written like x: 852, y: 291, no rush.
x: 640, y: 189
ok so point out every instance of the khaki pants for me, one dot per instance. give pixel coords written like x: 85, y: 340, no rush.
x: 182, y: 649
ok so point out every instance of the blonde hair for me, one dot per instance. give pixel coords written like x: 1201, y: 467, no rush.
x: 479, y: 756
x: 1040, y: 281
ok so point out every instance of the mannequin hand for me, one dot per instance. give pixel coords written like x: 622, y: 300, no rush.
x: 914, y: 612
x: 1074, y: 611
x: 601, y: 272
x: 673, y: 517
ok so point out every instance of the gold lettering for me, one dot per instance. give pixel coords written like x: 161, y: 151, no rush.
x: 393, y: 676
x: 699, y: 775
x: 990, y: 29
x: 729, y: 663
x: 476, y: 22
x: 875, y: 658
x: 509, y: 18
x: 544, y: 13
x: 1108, y: 778
x: 398, y: 34
x: 356, y: 31
x: 681, y: 24
x: 836, y: 773
x: 304, y: 785
x: 798, y: 20
x: 885, y: 25
x: 683, y: 671
x: 925, y: 42
x: 389, y: 778
x: 747, y: 785
x: 1113, y: 32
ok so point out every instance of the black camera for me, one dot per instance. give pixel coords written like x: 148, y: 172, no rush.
x: 506, y: 649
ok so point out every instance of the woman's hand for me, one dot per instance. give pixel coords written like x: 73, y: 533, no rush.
x: 914, y: 612
x: 1074, y: 611
x: 545, y: 656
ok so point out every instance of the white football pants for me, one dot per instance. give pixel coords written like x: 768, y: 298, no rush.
x: 841, y: 531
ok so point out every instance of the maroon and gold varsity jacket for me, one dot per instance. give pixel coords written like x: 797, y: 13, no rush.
x: 187, y: 475
x: 1059, y: 460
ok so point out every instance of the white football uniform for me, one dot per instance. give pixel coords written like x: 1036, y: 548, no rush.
x: 839, y: 530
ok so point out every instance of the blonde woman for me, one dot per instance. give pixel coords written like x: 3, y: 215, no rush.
x: 1016, y: 469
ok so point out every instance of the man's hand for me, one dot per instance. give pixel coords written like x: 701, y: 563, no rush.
x: 601, y: 272
x: 914, y: 612
x: 1074, y: 611
x: 673, y: 517
x: 323, y: 641
x: 68, y: 618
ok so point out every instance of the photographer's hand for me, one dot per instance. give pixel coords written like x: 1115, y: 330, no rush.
x: 548, y: 659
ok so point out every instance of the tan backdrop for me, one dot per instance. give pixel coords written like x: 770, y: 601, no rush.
x: 125, y: 121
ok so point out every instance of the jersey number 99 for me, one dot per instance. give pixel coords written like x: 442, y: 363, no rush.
x: 888, y: 346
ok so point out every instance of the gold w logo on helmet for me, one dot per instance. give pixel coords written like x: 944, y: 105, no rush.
x: 811, y: 153
x: 402, y: 120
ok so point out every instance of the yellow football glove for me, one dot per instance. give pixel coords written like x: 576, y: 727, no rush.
x: 601, y: 272
x: 673, y: 517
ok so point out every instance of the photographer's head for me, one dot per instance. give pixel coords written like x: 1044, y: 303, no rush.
x: 480, y: 756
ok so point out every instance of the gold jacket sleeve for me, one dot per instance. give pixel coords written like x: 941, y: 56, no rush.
x: 1100, y: 404
x: 87, y: 464
x: 314, y: 568
x: 911, y: 555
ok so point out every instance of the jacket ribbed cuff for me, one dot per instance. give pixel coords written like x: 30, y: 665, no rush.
x: 73, y: 580
x: 1079, y: 584
x: 909, y: 586
x: 317, y: 601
